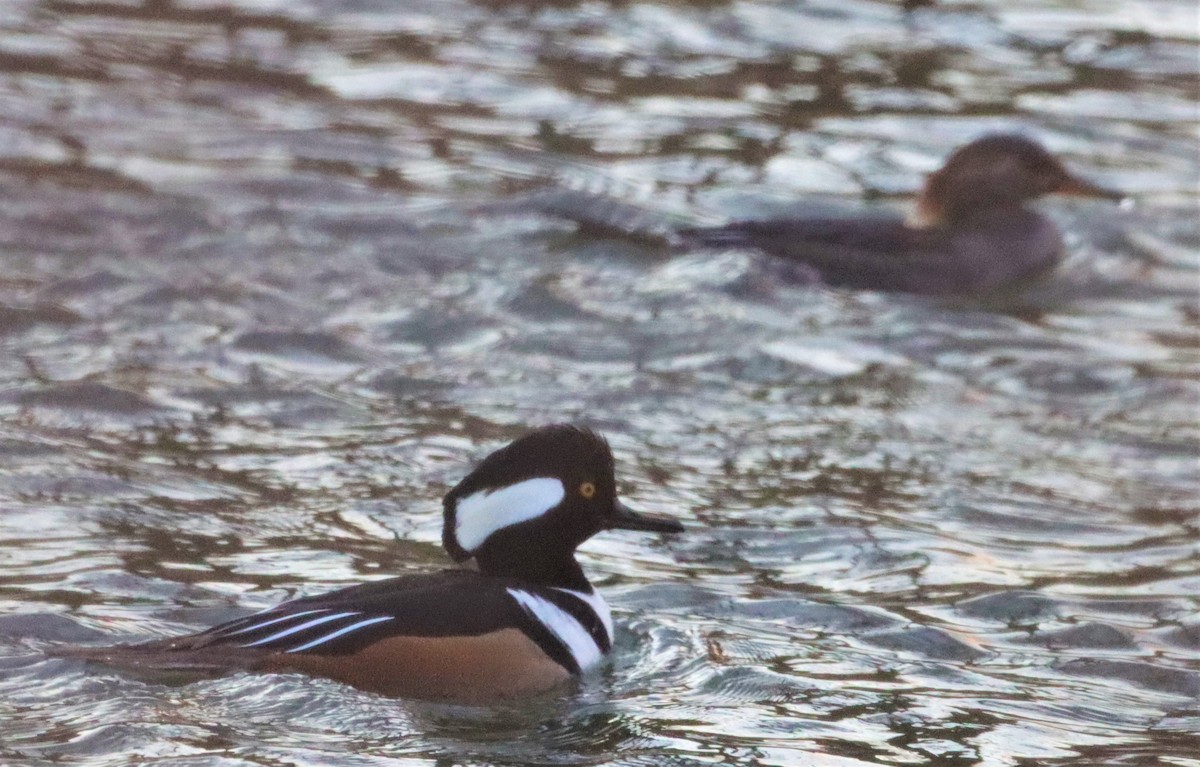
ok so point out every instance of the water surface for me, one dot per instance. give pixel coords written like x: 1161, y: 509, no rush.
x: 275, y: 274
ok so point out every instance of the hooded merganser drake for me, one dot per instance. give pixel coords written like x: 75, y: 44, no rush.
x: 525, y: 621
x: 970, y: 231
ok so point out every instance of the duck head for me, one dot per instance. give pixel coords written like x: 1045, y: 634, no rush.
x: 527, y: 506
x: 995, y: 172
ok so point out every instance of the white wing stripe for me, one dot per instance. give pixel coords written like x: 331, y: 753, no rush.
x: 264, y: 624
x: 480, y: 514
x: 563, y: 625
x: 301, y: 627
x: 340, y: 632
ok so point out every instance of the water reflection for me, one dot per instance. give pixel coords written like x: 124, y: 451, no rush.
x: 273, y: 275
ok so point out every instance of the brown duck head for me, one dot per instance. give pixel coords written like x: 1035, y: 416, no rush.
x: 995, y: 172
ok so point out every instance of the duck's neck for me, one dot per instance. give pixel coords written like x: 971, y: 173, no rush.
x: 929, y: 213
x: 949, y: 200
x: 534, y: 567
x: 924, y: 215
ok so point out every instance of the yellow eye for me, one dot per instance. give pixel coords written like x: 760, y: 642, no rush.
x: 587, y: 489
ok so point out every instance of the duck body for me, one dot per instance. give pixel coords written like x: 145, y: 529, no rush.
x: 992, y: 251
x: 456, y: 635
x: 971, y: 231
x: 527, y: 621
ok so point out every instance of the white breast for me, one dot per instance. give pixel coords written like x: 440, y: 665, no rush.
x: 565, y: 627
x: 599, y: 606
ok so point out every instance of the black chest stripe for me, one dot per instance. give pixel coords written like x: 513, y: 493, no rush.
x: 580, y: 636
x: 582, y: 612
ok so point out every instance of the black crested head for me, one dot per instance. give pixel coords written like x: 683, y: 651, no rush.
x: 996, y: 171
x: 535, y: 500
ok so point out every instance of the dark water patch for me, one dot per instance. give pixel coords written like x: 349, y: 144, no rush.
x: 814, y: 615
x: 47, y: 627
x: 71, y: 485
x: 14, y: 319
x: 223, y: 18
x: 72, y: 175
x: 668, y: 595
x: 751, y: 685
x: 53, y: 66
x: 1167, y: 515
x: 241, y: 400
x: 17, y: 450
x: 1083, y: 382
x: 1149, y: 749
x: 77, y: 287
x: 540, y: 302
x: 926, y: 641
x: 439, y: 329
x: 1156, y: 677
x: 129, y: 587
x: 1011, y: 607
x: 417, y: 255
x: 167, y: 295
x: 1087, y: 635
x: 87, y: 396
x: 298, y: 345
x: 573, y: 346
x: 411, y: 389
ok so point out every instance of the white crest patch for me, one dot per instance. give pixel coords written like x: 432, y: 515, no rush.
x: 564, y: 626
x: 481, y: 514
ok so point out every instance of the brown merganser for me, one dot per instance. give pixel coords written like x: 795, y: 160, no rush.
x: 970, y: 231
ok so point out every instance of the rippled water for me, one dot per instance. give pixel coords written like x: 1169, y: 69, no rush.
x: 275, y: 274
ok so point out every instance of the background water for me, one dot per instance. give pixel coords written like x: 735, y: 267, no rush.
x: 275, y: 273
